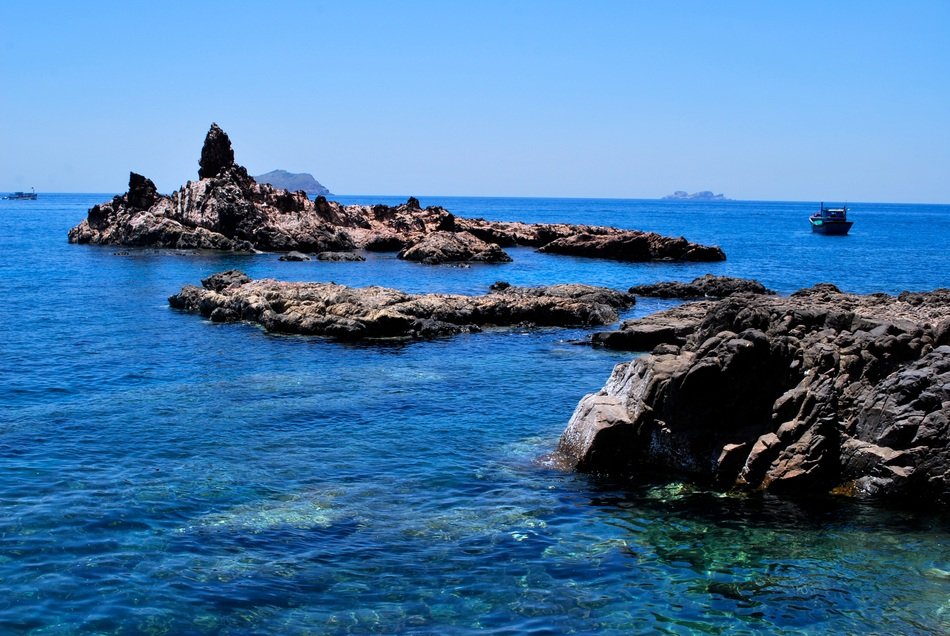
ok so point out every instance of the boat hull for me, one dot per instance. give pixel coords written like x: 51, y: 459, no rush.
x: 831, y: 227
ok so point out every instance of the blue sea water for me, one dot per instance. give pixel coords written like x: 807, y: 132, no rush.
x: 160, y: 474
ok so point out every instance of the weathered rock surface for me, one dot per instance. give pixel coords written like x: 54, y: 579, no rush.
x: 672, y: 326
x: 453, y: 247
x: 216, y: 154
x: 633, y: 246
x: 814, y: 393
x: 707, y: 286
x: 347, y: 313
x: 227, y: 209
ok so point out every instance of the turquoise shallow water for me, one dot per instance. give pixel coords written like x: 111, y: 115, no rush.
x: 160, y: 474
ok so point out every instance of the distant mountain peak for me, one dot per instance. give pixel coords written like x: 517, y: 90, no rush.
x: 293, y: 181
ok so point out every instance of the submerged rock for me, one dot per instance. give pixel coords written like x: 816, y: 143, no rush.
x: 227, y: 209
x: 814, y: 393
x: 348, y: 313
x: 340, y: 257
x: 294, y: 256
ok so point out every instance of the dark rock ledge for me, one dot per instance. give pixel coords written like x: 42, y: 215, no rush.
x: 707, y: 286
x: 226, y: 209
x: 819, y: 392
x: 347, y: 313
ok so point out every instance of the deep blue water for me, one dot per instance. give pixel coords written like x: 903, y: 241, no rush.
x: 163, y: 475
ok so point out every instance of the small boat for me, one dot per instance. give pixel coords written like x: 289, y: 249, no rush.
x: 831, y: 220
x: 17, y: 196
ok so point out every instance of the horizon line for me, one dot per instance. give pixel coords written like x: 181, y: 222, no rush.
x: 578, y: 198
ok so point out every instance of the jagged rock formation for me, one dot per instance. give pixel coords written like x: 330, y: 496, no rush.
x: 814, y: 393
x: 346, y: 313
x: 227, y: 209
x: 293, y: 181
x: 216, y: 153
x: 707, y: 286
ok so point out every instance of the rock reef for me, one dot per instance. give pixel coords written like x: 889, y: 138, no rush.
x: 226, y: 209
x: 707, y: 286
x: 819, y: 392
x: 347, y: 313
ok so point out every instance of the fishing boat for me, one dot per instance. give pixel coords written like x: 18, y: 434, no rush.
x: 15, y: 196
x: 831, y: 220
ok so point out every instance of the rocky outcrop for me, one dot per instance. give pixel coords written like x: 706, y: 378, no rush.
x: 453, y: 247
x: 809, y: 394
x: 671, y: 327
x: 227, y: 209
x: 707, y: 286
x: 216, y: 153
x: 347, y: 313
x: 632, y: 246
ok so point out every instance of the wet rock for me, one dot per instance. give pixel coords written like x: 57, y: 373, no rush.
x: 340, y: 257
x: 707, y: 286
x: 347, y: 313
x: 294, y: 256
x: 813, y: 393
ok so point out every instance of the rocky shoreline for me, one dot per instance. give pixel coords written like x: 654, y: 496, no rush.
x: 226, y: 209
x: 809, y: 394
x: 347, y: 313
x: 814, y: 393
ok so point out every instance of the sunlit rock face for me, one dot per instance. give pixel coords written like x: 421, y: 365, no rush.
x: 809, y: 394
x: 227, y: 209
x: 349, y: 313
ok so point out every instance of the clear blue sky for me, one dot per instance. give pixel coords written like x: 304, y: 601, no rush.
x: 758, y: 100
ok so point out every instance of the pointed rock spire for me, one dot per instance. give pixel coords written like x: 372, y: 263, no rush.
x: 216, y: 154
x: 142, y: 192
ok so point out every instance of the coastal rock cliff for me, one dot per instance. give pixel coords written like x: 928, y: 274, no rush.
x: 347, y: 313
x: 226, y: 209
x: 813, y: 393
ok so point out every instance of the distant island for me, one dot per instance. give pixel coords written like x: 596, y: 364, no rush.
x: 705, y: 195
x: 293, y: 182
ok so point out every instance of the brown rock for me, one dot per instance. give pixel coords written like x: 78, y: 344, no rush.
x: 348, y: 313
x: 453, y: 247
x: 227, y: 209
x: 814, y: 393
